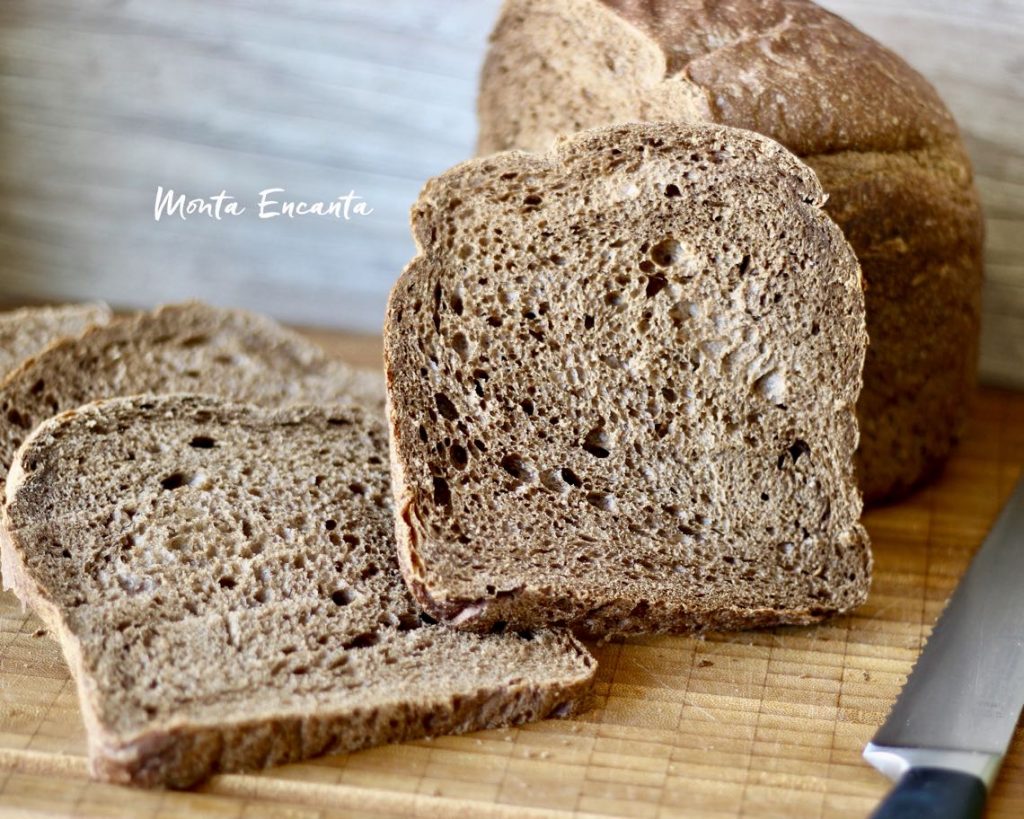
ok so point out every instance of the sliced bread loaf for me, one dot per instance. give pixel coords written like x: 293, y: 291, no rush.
x: 622, y: 379
x: 224, y: 584
x: 885, y: 148
x: 178, y: 348
x: 27, y: 331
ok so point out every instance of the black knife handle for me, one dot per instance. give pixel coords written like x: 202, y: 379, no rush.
x: 934, y: 793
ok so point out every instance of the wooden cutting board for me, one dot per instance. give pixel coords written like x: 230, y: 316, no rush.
x: 758, y: 724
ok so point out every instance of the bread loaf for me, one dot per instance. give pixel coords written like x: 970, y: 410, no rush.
x: 223, y: 581
x: 621, y: 379
x: 885, y: 148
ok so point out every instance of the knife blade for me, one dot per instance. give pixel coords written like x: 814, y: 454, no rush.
x: 949, y: 729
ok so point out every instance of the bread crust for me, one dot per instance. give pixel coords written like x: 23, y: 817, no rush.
x: 887, y: 149
x: 180, y: 752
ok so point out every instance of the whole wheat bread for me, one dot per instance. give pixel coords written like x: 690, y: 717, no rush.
x: 27, y: 331
x: 188, y: 347
x: 223, y: 581
x: 886, y: 149
x: 622, y: 379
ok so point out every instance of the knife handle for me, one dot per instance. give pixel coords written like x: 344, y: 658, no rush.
x: 934, y: 793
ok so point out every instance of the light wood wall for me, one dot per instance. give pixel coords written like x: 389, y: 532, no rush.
x: 101, y: 101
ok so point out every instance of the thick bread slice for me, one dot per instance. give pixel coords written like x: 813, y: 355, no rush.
x: 223, y: 581
x: 622, y: 378
x: 188, y: 347
x: 27, y: 331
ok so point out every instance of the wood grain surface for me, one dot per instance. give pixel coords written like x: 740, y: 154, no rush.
x: 101, y: 101
x: 755, y: 724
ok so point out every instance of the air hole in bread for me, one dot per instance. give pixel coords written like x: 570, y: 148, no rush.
x: 672, y: 191
x: 342, y: 597
x: 655, y: 284
x: 365, y: 640
x: 446, y: 407
x: 195, y: 341
x: 799, y: 447
x: 667, y: 252
x: 16, y: 418
x: 499, y: 627
x: 461, y: 345
x: 744, y: 265
x: 227, y: 582
x: 175, y: 480
x: 442, y: 493
x: 597, y: 443
x: 519, y: 468
x: 427, y: 619
x: 571, y: 478
x: 588, y: 322
x: 202, y: 442
x: 330, y: 524
x: 459, y: 456
x: 602, y: 500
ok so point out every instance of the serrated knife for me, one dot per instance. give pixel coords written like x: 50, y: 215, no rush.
x: 946, y: 736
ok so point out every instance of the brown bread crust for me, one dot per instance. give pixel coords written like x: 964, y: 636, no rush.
x: 885, y: 147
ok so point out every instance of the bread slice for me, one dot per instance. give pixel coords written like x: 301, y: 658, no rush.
x: 27, y: 331
x: 224, y: 584
x: 188, y: 347
x: 622, y: 378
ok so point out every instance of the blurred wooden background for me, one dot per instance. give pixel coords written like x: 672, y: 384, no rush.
x: 103, y: 100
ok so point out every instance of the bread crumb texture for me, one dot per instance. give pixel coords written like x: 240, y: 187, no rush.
x: 622, y: 380
x: 223, y: 581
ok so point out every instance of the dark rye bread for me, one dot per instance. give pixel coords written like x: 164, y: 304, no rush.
x: 223, y: 581
x: 189, y: 347
x: 621, y: 380
x: 27, y: 331
x: 885, y: 148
